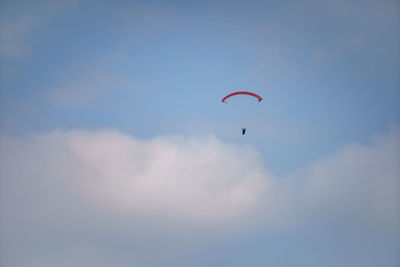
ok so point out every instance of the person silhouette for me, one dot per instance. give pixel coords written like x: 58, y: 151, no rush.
x: 243, y: 131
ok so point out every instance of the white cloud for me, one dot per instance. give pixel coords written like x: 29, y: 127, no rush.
x: 184, y: 179
x: 199, y: 179
x: 359, y: 183
x: 83, y: 193
x: 72, y: 194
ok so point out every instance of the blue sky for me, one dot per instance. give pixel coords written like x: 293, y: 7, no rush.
x: 326, y: 71
x: 142, y: 82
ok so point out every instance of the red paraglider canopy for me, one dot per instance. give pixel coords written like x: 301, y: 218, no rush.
x: 242, y: 93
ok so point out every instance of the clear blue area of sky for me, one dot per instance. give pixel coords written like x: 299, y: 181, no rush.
x: 328, y: 73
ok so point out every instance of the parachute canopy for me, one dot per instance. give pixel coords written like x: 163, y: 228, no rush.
x: 241, y: 93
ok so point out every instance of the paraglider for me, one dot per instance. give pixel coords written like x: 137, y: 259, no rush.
x: 259, y: 98
x: 242, y: 93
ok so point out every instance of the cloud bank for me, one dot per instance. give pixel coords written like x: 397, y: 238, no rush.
x: 359, y: 183
x: 79, y: 194
x: 184, y: 179
x: 196, y: 179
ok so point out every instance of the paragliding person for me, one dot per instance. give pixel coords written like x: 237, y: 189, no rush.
x: 259, y: 98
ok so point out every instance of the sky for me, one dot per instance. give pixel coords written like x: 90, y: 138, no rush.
x: 115, y: 148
